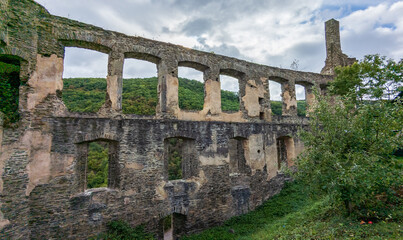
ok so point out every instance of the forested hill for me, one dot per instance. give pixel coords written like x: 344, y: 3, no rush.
x: 140, y: 96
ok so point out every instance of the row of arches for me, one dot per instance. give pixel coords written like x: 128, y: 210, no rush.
x: 140, y: 76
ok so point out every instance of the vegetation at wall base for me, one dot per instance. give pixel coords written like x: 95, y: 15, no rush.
x: 296, y: 214
x: 120, y: 230
x: 292, y: 214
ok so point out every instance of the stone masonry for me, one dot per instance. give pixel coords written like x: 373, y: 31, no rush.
x: 233, y: 157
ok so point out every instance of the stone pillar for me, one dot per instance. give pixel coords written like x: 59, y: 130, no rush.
x: 309, y: 98
x: 265, y: 106
x: 212, y: 91
x: 114, y: 81
x: 81, y: 166
x: 168, y: 102
x: 289, y: 98
x: 290, y: 146
x: 271, y: 156
x: 114, y: 166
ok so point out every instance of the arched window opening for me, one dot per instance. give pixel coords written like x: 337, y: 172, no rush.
x: 191, y: 88
x: 276, y: 100
x: 84, y: 79
x: 301, y: 100
x: 180, y: 158
x: 140, y: 83
x: 237, y: 160
x: 229, y: 93
x: 9, y: 88
x: 98, y: 164
x: 285, y: 152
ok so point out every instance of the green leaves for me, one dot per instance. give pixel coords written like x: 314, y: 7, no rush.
x: 374, y: 78
x: 97, y: 165
x: 139, y: 95
x: 9, y: 92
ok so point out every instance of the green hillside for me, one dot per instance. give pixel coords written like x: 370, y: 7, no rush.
x: 140, y: 96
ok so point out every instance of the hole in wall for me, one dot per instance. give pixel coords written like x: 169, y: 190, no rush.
x: 229, y: 93
x: 140, y: 83
x: 84, y: 79
x: 191, y: 89
x: 261, y: 101
x: 98, y: 164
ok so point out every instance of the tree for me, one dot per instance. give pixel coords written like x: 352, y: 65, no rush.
x: 352, y: 137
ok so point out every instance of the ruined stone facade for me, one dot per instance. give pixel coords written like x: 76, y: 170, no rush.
x: 334, y: 56
x: 236, y: 156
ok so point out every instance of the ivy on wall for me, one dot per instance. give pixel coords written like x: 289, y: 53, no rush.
x: 9, y: 92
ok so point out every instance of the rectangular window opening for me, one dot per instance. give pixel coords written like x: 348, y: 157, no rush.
x: 84, y: 79
x: 191, y: 89
x: 97, y: 164
x: 276, y: 101
x: 140, y: 83
x: 180, y: 157
x: 236, y: 148
x: 301, y: 100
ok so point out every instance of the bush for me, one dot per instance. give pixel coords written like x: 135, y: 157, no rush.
x: 120, y: 230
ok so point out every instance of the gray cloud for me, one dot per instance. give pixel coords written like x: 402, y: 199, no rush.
x: 272, y: 32
x: 197, y: 27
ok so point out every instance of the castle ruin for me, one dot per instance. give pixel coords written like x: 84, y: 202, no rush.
x: 231, y: 160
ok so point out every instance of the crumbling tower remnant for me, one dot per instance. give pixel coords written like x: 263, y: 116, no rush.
x: 334, y: 56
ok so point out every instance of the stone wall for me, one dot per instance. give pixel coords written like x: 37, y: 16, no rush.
x: 43, y: 192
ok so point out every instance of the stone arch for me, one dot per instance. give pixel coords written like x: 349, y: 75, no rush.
x: 285, y: 151
x: 86, y: 45
x: 233, y: 73
x: 90, y: 137
x: 195, y: 65
x: 143, y: 56
x: 15, y: 52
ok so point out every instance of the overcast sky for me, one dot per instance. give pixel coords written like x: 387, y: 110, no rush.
x: 272, y: 32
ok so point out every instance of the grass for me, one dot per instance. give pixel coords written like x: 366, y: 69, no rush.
x: 294, y: 214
